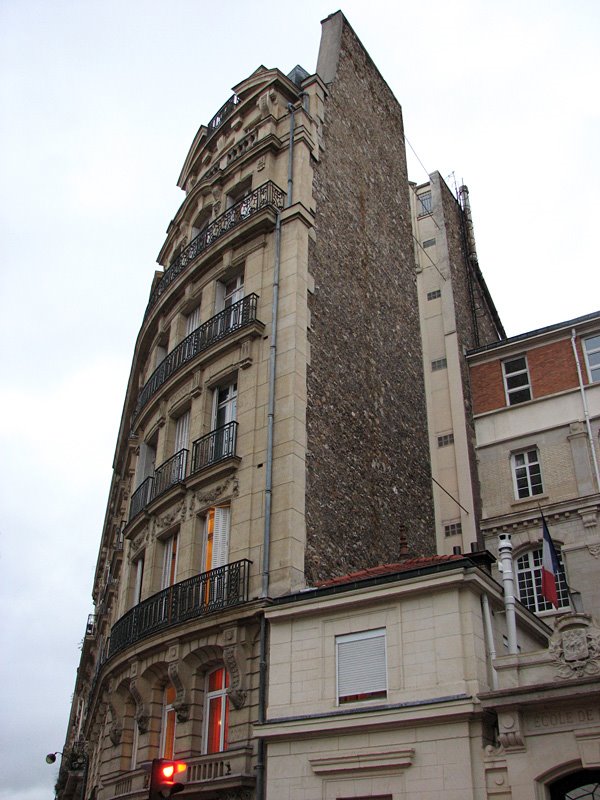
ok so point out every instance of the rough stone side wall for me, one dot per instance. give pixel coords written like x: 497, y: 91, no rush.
x: 475, y: 325
x: 368, y: 466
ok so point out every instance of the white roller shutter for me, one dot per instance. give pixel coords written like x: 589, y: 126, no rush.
x: 361, y: 664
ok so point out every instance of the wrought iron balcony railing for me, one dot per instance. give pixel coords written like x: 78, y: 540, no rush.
x: 214, y: 447
x: 210, y: 591
x: 213, y: 330
x: 169, y: 473
x: 223, y: 114
x: 141, y: 497
x: 267, y: 195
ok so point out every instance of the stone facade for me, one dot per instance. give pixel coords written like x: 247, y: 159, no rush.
x: 367, y: 461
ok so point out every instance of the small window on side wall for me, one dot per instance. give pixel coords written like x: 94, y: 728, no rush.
x: 516, y: 380
x: 361, y: 666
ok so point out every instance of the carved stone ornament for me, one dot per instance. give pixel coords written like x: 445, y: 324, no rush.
x: 142, y: 715
x: 510, y: 735
x: 594, y: 550
x: 116, y: 728
x: 182, y: 708
x: 167, y: 520
x: 234, y: 658
x: 575, y: 646
x: 228, y: 488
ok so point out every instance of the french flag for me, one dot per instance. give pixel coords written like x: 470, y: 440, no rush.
x: 549, y: 567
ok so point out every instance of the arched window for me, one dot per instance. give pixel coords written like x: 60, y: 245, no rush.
x: 168, y: 724
x: 582, y: 785
x: 216, y: 713
x: 529, y: 580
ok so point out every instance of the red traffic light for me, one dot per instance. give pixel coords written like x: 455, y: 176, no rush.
x: 165, y: 778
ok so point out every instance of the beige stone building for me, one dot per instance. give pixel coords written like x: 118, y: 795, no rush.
x: 283, y: 597
x: 273, y: 427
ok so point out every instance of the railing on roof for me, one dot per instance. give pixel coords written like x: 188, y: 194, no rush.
x: 222, y: 114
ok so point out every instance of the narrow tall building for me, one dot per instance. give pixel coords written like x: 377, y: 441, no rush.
x: 274, y: 430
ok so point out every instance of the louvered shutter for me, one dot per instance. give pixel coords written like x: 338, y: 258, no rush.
x: 361, y: 667
x: 220, y: 549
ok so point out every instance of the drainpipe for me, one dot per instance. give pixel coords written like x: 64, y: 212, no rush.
x: 505, y: 549
x: 261, y: 761
x: 291, y: 157
x: 586, y: 412
x: 489, y: 637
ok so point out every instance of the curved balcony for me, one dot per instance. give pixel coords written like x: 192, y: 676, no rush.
x: 266, y: 196
x: 226, y: 322
x: 195, y: 597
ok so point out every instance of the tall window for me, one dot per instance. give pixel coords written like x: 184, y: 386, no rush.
x: 192, y: 321
x: 169, y: 568
x: 361, y: 666
x: 592, y: 357
x: 224, y: 412
x: 216, y: 537
x: 139, y: 577
x: 182, y: 432
x: 168, y: 724
x: 529, y: 580
x: 516, y: 380
x: 424, y: 204
x: 216, y: 711
x: 527, y: 474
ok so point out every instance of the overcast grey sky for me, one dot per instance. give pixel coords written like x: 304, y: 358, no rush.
x: 99, y: 104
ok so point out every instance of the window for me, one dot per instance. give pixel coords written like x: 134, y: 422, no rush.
x: 438, y: 364
x: 229, y: 293
x: 216, y: 537
x: 434, y: 295
x: 146, y: 461
x: 527, y: 473
x: 223, y: 423
x: 139, y: 577
x: 182, y: 432
x: 592, y: 357
x: 192, y: 321
x: 445, y: 439
x: 169, y: 568
x: 237, y: 194
x: 516, y: 380
x: 424, y: 204
x: 452, y: 528
x: 216, y: 711
x: 428, y: 243
x: 361, y: 666
x: 168, y: 724
x: 529, y: 581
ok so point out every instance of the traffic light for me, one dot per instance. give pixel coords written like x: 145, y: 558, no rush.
x: 165, y: 778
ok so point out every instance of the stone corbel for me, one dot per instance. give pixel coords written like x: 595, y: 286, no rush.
x: 116, y: 728
x: 138, y: 688
x: 510, y: 733
x: 235, y: 658
x: 179, y: 675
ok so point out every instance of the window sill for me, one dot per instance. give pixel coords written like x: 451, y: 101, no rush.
x: 524, y: 501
